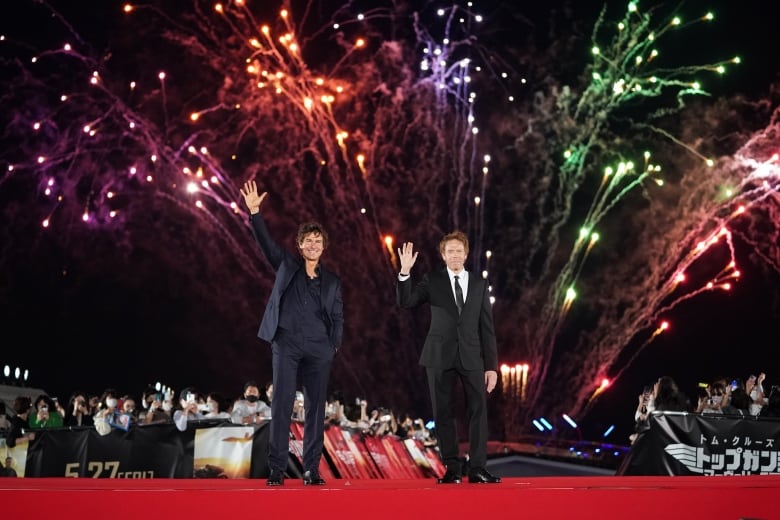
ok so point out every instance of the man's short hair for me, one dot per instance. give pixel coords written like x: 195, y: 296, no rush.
x: 460, y: 236
x: 311, y: 227
x: 250, y: 383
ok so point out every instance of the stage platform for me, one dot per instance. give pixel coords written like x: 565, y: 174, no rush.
x: 571, y: 497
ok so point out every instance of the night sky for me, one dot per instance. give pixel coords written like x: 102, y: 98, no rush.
x: 164, y: 290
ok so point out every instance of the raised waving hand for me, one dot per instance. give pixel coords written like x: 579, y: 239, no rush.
x: 407, y: 257
x: 252, y: 199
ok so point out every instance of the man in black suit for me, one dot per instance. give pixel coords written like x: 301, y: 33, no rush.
x: 304, y: 322
x: 461, y: 344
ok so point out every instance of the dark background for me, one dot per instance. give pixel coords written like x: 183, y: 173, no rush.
x: 124, y: 321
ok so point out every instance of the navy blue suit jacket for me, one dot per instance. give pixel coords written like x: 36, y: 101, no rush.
x: 286, y: 266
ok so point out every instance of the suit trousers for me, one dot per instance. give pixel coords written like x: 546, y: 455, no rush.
x: 441, y: 383
x: 289, y: 359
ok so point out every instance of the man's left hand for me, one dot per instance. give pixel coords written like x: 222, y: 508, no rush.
x: 491, y: 378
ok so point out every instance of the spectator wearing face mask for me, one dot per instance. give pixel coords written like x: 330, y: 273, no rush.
x: 215, y: 404
x: 129, y: 407
x: 158, y: 408
x: 106, y: 409
x: 167, y: 405
x: 250, y: 409
x: 188, y: 409
x: 715, y: 399
x: 754, y: 386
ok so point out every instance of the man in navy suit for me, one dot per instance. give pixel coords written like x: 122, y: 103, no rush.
x: 461, y: 344
x: 304, y: 322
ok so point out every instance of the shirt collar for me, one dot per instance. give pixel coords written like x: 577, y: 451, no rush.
x: 462, y: 276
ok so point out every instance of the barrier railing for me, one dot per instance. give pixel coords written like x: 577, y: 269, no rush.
x: 679, y: 443
x: 211, y: 450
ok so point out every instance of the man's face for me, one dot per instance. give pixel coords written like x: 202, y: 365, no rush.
x: 252, y: 390
x: 312, y: 245
x: 454, y: 255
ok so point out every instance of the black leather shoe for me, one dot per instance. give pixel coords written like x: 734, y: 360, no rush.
x: 311, y: 478
x: 450, y: 477
x: 482, y: 476
x: 276, y: 478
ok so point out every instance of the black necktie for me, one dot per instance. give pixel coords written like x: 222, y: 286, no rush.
x: 458, y: 295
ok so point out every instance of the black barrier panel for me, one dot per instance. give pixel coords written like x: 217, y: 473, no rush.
x: 216, y: 448
x: 152, y: 451
x: 148, y: 451
x: 57, y: 453
x: 691, y: 444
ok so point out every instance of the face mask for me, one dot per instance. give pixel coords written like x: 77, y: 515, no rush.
x: 717, y: 399
x: 167, y: 406
x: 252, y: 398
x: 111, y: 403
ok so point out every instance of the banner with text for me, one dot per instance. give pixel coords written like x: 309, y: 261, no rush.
x: 211, y: 450
x: 691, y: 444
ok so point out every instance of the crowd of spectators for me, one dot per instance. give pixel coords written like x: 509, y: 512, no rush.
x: 112, y: 409
x: 115, y: 410
x: 725, y: 396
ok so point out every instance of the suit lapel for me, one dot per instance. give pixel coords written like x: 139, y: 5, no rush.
x: 475, y: 286
x: 445, y: 282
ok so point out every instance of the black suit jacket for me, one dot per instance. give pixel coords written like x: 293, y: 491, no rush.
x: 471, y: 333
x: 286, y: 265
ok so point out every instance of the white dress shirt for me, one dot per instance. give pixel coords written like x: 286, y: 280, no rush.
x: 463, y: 280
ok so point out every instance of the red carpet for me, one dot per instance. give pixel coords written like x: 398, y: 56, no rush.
x: 609, y: 497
